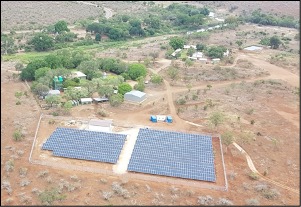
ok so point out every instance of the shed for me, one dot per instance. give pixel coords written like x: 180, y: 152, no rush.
x: 100, y: 99
x: 78, y: 74
x: 135, y: 96
x: 86, y: 100
x: 54, y: 92
x: 100, y: 125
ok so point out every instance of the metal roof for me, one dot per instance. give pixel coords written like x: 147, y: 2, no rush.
x: 54, y: 92
x: 136, y: 93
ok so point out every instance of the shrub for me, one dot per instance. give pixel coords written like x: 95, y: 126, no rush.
x: 116, y: 100
x: 120, y: 191
x: 253, y: 176
x: 49, y: 196
x: 252, y: 122
x: 270, y: 194
x: 18, y: 136
x: 102, y: 113
x: 23, y: 171
x: 24, y: 183
x: 252, y: 202
x: 6, y: 185
x: 107, y: 195
x: 156, y: 79
x: 205, y: 200
x: 9, y: 165
x: 42, y: 174
x: 18, y: 102
x: 181, y: 101
x: 224, y: 202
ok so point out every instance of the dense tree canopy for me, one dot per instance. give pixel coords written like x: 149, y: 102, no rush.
x: 136, y: 70
x: 124, y: 88
x: 42, y: 42
x: 61, y: 26
x: 177, y: 42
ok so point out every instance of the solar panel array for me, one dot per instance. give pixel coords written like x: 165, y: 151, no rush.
x: 173, y: 154
x: 86, y: 145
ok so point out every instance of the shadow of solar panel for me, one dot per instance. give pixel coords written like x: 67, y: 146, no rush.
x: 87, y: 145
x: 173, y: 154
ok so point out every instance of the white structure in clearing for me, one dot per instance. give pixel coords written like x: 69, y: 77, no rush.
x: 189, y: 46
x: 135, y: 96
x: 100, y: 125
x: 78, y: 74
x: 86, y: 100
x: 176, y: 51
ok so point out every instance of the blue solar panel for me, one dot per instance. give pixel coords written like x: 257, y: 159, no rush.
x: 87, y: 145
x: 173, y: 154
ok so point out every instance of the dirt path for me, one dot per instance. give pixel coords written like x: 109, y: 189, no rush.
x: 253, y: 169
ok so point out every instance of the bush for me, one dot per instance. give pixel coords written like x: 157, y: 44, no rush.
x: 18, y: 102
x: 42, y: 174
x: 224, y: 202
x: 205, y: 200
x: 49, y: 196
x: 107, y: 195
x: 18, y: 136
x: 116, y: 100
x: 156, y: 79
x: 253, y: 176
x: 102, y: 113
x: 9, y: 165
x: 124, y: 88
x: 181, y: 101
x: 252, y: 202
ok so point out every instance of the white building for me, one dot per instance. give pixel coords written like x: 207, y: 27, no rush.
x: 135, y: 96
x: 78, y: 74
x: 197, y: 55
x: 176, y: 51
x: 100, y: 125
x: 86, y: 100
x: 189, y: 46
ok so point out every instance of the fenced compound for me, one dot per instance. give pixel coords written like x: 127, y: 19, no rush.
x: 108, y: 170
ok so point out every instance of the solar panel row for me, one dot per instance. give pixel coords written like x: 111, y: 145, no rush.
x: 173, y: 154
x: 87, y: 145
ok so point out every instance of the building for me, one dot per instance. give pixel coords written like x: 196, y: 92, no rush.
x: 175, y: 52
x: 135, y: 96
x: 216, y: 60
x: 100, y: 125
x: 197, y: 55
x: 86, y: 100
x: 53, y: 92
x: 78, y: 74
x: 97, y: 100
x: 189, y: 46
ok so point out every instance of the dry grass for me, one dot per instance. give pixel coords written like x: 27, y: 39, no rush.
x: 32, y: 14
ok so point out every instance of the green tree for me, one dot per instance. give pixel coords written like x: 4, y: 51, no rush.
x: 116, y: 100
x: 28, y: 73
x: 215, y: 51
x: 239, y: 43
x: 42, y: 42
x: 177, y: 42
x: 105, y: 90
x: 53, y: 99
x: 136, y: 70
x: 69, y: 82
x: 53, y: 61
x: 190, y: 51
x: 90, y: 68
x: 124, y: 88
x: 41, y: 90
x: 173, y: 73
x: 275, y: 42
x: 227, y: 139
x: 76, y: 94
x: 41, y: 72
x: 97, y: 37
x: 140, y: 86
x: 19, y: 66
x: 61, y: 26
x: 67, y: 106
x: 200, y: 47
x: 157, y: 79
x: 7, y: 45
x: 216, y: 118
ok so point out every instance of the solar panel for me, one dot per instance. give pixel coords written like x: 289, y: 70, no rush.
x: 86, y: 145
x: 173, y: 154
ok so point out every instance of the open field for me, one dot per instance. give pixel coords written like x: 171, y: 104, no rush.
x: 258, y: 94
